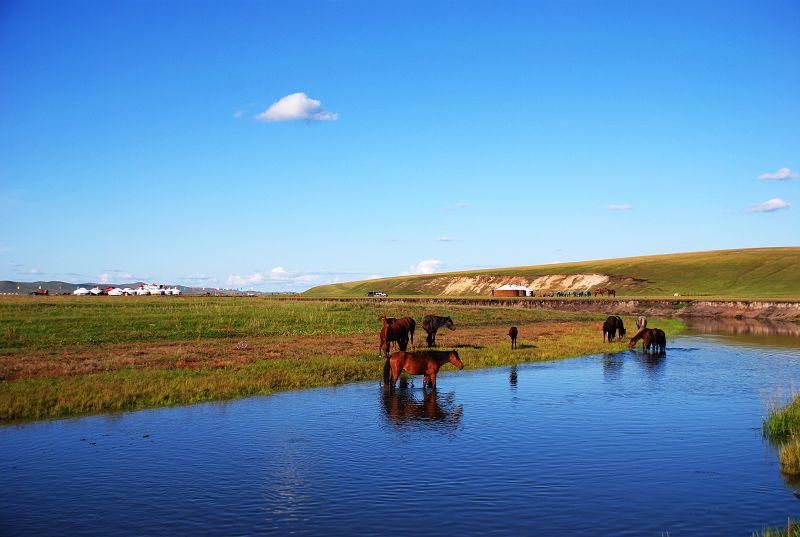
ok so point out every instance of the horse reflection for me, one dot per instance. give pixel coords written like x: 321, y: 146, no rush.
x: 512, y: 378
x: 612, y: 366
x: 403, y: 409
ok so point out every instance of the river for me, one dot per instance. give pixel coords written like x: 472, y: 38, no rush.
x: 622, y: 444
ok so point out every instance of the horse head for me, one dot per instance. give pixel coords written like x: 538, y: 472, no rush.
x: 449, y: 323
x: 455, y: 360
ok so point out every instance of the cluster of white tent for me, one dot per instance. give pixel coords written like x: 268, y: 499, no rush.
x: 142, y: 290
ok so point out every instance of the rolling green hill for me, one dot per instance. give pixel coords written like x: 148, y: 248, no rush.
x: 746, y: 273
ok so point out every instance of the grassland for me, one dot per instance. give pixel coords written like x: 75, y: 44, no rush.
x: 69, y: 356
x: 762, y: 273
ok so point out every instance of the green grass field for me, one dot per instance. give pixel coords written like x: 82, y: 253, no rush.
x: 70, y: 356
x: 768, y: 273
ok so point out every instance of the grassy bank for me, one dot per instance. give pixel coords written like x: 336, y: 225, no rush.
x: 767, y: 273
x: 66, y: 356
x: 782, y: 426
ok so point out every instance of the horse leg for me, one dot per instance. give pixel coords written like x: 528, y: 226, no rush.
x: 396, y: 370
x: 432, y: 380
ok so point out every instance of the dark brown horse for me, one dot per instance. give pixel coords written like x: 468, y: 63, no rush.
x: 611, y: 293
x: 393, y: 330
x: 425, y: 363
x: 600, y: 291
x: 610, y: 328
x: 620, y: 326
x: 432, y: 323
x: 512, y: 333
x: 398, y: 325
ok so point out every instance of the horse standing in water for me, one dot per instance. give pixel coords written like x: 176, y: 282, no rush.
x: 425, y: 363
x: 652, y: 338
x: 512, y: 333
x: 432, y: 323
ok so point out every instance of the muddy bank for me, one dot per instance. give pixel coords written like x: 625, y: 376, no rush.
x: 774, y: 310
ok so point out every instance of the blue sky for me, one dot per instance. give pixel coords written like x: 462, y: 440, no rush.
x: 280, y: 145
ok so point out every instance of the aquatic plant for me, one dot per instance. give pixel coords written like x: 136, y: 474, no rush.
x: 790, y: 458
x: 782, y: 421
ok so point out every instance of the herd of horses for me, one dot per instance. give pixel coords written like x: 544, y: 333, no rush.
x: 653, y: 339
x: 427, y: 363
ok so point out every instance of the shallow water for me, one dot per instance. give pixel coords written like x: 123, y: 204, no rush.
x: 620, y: 444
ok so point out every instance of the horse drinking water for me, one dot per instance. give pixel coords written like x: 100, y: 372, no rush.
x: 425, y: 363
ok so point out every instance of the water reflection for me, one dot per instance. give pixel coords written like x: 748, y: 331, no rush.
x: 402, y: 409
x: 744, y: 326
x: 512, y: 378
x: 748, y: 332
x: 653, y: 363
x: 612, y: 366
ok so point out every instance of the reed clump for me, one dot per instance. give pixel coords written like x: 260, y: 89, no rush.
x: 783, y: 422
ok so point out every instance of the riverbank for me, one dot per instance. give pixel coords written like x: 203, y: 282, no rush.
x: 70, y: 357
x: 681, y: 307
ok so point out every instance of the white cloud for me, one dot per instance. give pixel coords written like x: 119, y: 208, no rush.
x: 296, y: 106
x: 462, y: 205
x: 445, y: 239
x: 307, y: 279
x: 783, y: 174
x: 429, y: 266
x: 235, y: 280
x: 197, y: 278
x: 238, y: 114
x: 769, y: 206
x: 620, y: 207
x: 115, y: 276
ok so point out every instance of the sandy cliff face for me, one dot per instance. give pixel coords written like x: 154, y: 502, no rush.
x: 483, y: 285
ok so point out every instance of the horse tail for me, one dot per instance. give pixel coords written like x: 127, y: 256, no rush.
x: 387, y: 373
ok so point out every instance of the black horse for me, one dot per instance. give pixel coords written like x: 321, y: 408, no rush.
x: 620, y: 326
x: 512, y: 333
x: 432, y: 323
x: 611, y: 326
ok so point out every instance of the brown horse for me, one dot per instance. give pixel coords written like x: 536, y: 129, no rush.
x: 512, y: 333
x: 425, y: 363
x: 611, y: 293
x: 652, y: 339
x: 600, y: 291
x: 397, y: 330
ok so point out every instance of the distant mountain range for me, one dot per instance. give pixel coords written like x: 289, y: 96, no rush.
x: 57, y: 288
